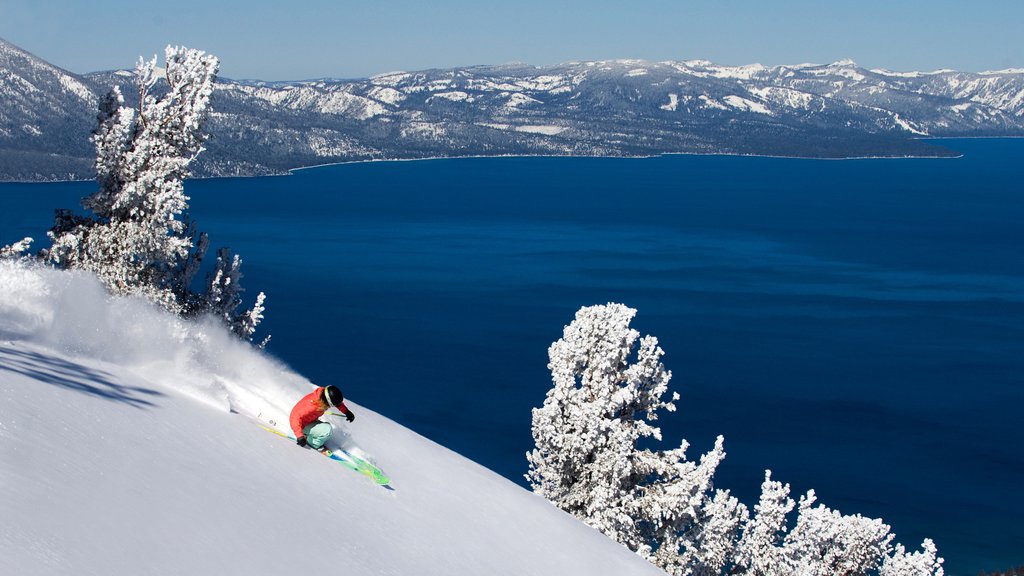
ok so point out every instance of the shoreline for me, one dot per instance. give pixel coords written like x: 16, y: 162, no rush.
x: 638, y: 157
x: 291, y: 171
x: 969, y: 138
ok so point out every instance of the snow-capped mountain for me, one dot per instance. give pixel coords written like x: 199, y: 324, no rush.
x: 607, y: 108
x: 942, y: 103
x: 46, y: 115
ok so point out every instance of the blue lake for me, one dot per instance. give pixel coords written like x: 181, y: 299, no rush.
x: 855, y: 326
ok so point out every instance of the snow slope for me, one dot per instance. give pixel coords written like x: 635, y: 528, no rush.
x: 127, y: 447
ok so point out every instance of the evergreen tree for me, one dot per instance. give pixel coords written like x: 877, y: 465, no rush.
x: 223, y: 296
x: 16, y: 250
x: 587, y: 461
x: 692, y: 527
x: 759, y: 551
x: 823, y: 542
x: 923, y: 563
x: 136, y: 239
x: 608, y: 385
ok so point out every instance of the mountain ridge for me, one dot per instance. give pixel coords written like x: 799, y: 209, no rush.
x: 623, y: 107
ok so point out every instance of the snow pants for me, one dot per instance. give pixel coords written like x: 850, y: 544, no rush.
x: 317, y: 433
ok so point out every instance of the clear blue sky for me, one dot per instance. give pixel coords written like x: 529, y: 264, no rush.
x: 286, y: 40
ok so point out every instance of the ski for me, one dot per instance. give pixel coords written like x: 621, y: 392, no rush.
x: 346, y: 458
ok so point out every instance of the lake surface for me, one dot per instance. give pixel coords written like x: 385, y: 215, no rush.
x: 855, y: 326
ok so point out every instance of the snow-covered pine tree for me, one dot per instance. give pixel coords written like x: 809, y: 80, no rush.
x: 658, y: 504
x: 823, y: 542
x: 708, y: 551
x: 759, y: 550
x: 136, y: 239
x: 223, y: 296
x: 587, y: 461
x: 903, y: 563
x: 692, y: 527
x: 16, y: 250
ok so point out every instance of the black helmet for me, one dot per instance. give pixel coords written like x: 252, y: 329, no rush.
x: 333, y: 396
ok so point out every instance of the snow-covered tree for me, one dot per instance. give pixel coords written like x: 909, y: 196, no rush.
x: 136, y: 239
x: 586, y: 460
x: 923, y: 563
x: 695, y: 530
x: 709, y: 550
x: 16, y: 250
x: 759, y: 552
x: 223, y: 296
x: 608, y: 386
x: 823, y: 542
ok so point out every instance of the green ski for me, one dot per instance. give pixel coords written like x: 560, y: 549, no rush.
x: 346, y: 458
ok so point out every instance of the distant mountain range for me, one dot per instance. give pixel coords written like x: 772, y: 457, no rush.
x: 606, y: 108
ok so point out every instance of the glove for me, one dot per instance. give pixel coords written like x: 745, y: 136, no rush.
x: 350, y: 416
x: 301, y: 441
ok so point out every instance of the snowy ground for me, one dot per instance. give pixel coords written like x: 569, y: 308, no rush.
x: 127, y: 446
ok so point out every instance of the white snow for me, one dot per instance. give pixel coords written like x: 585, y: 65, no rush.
x: 386, y: 95
x: 785, y: 96
x: 77, y: 88
x: 454, y: 96
x: 543, y: 129
x: 342, y: 103
x: 390, y: 78
x: 710, y: 102
x: 548, y: 130
x: 884, y: 72
x: 127, y: 447
x: 747, y: 105
x: 423, y: 129
x: 737, y: 72
x: 636, y: 72
x: 542, y: 83
x: 329, y: 145
x: 908, y: 126
x: 494, y: 125
x: 439, y: 85
x: 490, y: 85
x: 845, y: 68
x: 1002, y: 72
x: 317, y: 97
x: 673, y: 103
x: 519, y: 99
x: 20, y: 84
x: 708, y: 69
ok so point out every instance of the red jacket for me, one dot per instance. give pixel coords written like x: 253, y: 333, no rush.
x: 309, y: 410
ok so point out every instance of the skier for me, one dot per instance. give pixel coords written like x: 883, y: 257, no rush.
x: 305, y: 416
